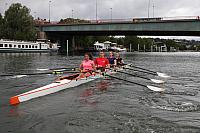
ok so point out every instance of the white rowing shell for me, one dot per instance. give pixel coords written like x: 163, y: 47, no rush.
x: 58, y: 86
x: 51, y: 88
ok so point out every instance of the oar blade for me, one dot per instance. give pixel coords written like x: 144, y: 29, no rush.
x: 157, y: 81
x: 157, y: 89
x: 19, y: 76
x: 163, y: 75
x: 42, y: 69
x: 60, y: 70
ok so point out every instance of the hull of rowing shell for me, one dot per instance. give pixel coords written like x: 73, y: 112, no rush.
x: 51, y: 88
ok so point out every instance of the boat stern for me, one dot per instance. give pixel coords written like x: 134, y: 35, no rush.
x: 14, y: 100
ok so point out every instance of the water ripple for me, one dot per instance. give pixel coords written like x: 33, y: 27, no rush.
x: 184, y: 107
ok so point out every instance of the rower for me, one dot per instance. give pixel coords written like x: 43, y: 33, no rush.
x: 87, y: 65
x: 118, y: 61
x: 111, y: 58
x: 101, y: 62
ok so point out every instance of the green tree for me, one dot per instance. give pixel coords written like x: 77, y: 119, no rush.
x: 1, y: 26
x: 19, y: 23
x: 171, y: 43
x: 120, y: 41
x: 131, y: 40
x: 147, y: 42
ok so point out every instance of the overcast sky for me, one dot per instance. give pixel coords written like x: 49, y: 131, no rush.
x: 121, y: 9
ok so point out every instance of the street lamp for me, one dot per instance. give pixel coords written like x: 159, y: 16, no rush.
x: 149, y: 7
x: 153, y: 7
x: 72, y: 13
x: 111, y: 14
x: 6, y: 4
x: 96, y: 10
x: 49, y: 11
x: 35, y: 14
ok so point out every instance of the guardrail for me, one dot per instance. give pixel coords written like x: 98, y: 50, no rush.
x: 130, y: 20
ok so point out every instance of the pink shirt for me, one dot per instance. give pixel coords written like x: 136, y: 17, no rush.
x: 87, y: 65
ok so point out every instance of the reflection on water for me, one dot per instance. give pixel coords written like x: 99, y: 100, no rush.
x: 103, y: 86
x: 86, y: 95
x: 106, y: 105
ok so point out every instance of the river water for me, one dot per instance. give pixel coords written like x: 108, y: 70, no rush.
x: 105, y: 105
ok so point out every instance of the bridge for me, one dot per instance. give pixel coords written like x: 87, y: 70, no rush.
x: 189, y: 26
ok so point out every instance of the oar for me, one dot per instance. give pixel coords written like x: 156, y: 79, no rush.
x: 26, y: 74
x: 164, y: 75
x: 153, y: 80
x: 140, y: 71
x: 152, y: 73
x: 153, y: 88
x: 61, y: 68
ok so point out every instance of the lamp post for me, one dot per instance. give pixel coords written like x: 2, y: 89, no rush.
x: 72, y: 13
x: 35, y: 14
x: 149, y: 7
x: 96, y: 10
x: 153, y: 7
x: 49, y: 11
x: 6, y: 4
x: 111, y: 14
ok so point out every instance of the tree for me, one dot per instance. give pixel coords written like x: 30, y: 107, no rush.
x: 73, y: 21
x: 19, y: 23
x: 1, y: 26
x: 171, y: 43
x: 131, y: 40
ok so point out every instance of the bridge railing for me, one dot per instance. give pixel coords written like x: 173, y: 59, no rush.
x: 110, y: 20
x: 130, y: 20
x: 182, y: 18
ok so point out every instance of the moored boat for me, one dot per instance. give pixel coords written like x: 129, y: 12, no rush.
x: 109, y: 46
x: 8, y: 46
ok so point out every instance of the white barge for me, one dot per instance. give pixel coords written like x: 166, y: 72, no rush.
x: 7, y: 46
x: 109, y: 46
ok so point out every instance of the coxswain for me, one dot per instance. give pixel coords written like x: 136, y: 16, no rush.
x: 111, y: 58
x: 102, y: 62
x: 118, y: 61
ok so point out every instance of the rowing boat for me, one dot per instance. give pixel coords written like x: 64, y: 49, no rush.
x: 64, y: 83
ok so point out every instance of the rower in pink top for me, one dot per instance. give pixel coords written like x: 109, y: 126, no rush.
x: 87, y: 66
x: 87, y: 63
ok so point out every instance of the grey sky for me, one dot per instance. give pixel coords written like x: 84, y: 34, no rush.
x: 121, y: 9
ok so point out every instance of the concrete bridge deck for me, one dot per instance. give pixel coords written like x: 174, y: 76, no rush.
x: 185, y: 27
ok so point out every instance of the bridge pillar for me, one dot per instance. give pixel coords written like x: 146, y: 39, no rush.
x: 64, y: 47
x: 41, y: 35
x: 62, y: 40
x: 73, y: 43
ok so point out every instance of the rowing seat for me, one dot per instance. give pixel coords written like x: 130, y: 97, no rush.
x: 71, y: 77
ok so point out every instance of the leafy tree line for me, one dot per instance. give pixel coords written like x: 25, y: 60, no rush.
x: 73, y: 21
x: 88, y: 41
x: 17, y: 24
x: 1, y: 26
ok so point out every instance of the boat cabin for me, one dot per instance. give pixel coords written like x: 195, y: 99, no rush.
x: 102, y: 46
